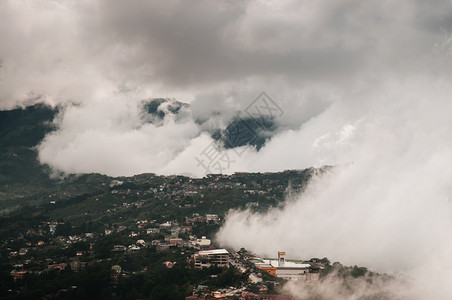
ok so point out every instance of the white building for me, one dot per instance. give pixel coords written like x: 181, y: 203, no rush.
x: 207, y: 258
x: 212, y: 217
x: 290, y: 270
x: 203, y: 242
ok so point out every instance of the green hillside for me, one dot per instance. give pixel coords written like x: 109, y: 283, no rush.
x: 21, y: 130
x: 23, y: 180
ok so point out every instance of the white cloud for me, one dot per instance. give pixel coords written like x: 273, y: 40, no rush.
x: 389, y: 209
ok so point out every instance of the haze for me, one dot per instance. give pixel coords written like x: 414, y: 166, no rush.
x: 364, y: 86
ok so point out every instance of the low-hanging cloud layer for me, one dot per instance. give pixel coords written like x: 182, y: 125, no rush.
x: 362, y: 85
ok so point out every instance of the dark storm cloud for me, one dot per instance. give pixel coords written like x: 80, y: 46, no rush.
x: 172, y: 45
x: 170, y: 41
x: 211, y: 42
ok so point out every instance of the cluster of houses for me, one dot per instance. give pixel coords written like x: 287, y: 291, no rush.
x: 205, y: 255
x: 167, y: 232
x: 163, y: 236
x: 235, y: 293
x: 183, y: 192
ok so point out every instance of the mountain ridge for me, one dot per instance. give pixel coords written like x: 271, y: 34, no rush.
x: 24, y: 180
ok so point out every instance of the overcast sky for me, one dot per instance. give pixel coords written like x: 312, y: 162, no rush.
x: 364, y: 85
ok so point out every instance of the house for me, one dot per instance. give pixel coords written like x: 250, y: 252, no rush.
x: 119, y: 248
x: 169, y: 264
x: 52, y: 228
x: 133, y: 248
x: 187, y: 228
x: 274, y: 297
x: 212, y: 218
x: 152, y: 231
x: 162, y: 247
x: 116, y: 269
x: 59, y: 267
x: 116, y: 182
x: 74, y: 238
x: 76, y: 265
x: 166, y: 225
x: 176, y: 241
x: 18, y: 274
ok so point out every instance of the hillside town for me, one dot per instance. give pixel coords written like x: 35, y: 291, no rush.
x: 125, y: 239
x: 40, y: 253
x: 153, y: 237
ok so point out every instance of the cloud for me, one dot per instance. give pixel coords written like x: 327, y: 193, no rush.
x: 387, y: 206
x: 337, y: 286
x: 117, y: 141
x: 363, y: 85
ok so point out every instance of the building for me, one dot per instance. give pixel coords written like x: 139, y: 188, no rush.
x: 290, y: 270
x: 203, y: 242
x: 212, y: 218
x: 152, y: 231
x: 119, y: 248
x: 162, y: 247
x: 175, y: 241
x: 207, y: 258
x: 267, y: 267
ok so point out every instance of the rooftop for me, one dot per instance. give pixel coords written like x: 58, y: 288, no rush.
x: 260, y: 265
x: 287, y: 264
x: 215, y: 251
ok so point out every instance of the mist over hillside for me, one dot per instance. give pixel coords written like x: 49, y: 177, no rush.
x: 22, y: 130
x: 174, y: 89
